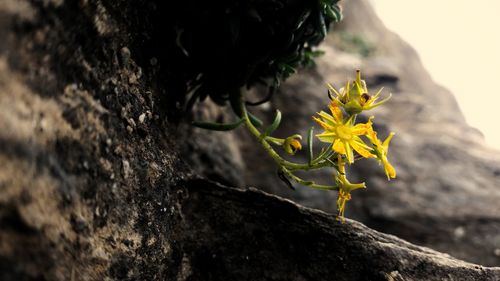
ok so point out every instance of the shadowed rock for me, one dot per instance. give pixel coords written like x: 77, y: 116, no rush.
x: 92, y: 186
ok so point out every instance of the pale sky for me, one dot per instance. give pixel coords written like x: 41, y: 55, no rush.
x: 459, y: 44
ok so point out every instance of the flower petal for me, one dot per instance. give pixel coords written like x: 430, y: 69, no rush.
x: 334, y: 90
x: 385, y: 145
x: 375, y: 97
x: 330, y: 120
x: 361, y: 148
x: 360, y: 129
x: 359, y: 89
x: 372, y: 136
x: 336, y: 112
x: 378, y: 103
x: 389, y: 170
x: 349, y: 153
x: 323, y: 124
x: 338, y: 147
x: 327, y: 137
x: 347, y: 90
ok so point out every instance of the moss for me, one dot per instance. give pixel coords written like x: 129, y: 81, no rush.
x: 354, y: 43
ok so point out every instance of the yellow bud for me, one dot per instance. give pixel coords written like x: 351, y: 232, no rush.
x: 292, y: 144
x: 355, y: 97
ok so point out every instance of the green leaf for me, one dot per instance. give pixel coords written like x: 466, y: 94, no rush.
x: 310, y: 145
x: 331, y: 10
x: 303, y: 17
x: 282, y: 176
x: 235, y: 102
x: 330, y: 13
x: 322, y: 26
x: 338, y: 14
x: 273, y: 126
x: 218, y: 126
x: 255, y: 121
x: 325, y: 153
x: 286, y: 69
x: 237, y: 106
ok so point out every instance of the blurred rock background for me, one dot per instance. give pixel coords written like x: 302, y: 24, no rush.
x: 447, y: 192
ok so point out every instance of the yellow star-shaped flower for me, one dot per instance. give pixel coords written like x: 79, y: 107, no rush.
x: 343, y: 134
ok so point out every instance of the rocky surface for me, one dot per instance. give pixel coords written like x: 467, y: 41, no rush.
x: 447, y: 191
x: 87, y: 171
x: 273, y: 239
x: 93, y: 187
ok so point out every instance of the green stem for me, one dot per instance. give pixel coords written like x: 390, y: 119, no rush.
x: 276, y: 141
x: 285, y: 165
x: 269, y: 149
x: 277, y: 158
x: 309, y: 183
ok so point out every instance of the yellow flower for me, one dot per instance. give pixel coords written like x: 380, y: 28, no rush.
x: 380, y: 150
x: 342, y: 198
x: 355, y: 98
x: 345, y: 187
x: 292, y: 144
x: 343, y: 134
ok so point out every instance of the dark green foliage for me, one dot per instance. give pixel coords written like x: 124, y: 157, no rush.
x: 218, y: 47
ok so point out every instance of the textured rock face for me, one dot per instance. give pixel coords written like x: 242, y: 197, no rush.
x: 446, y: 194
x: 85, y: 181
x: 92, y: 186
x: 297, y: 243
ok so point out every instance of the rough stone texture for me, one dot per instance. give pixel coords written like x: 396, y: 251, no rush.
x: 85, y: 187
x: 446, y: 194
x: 92, y: 186
x: 297, y: 243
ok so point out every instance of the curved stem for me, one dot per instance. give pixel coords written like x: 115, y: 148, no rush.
x: 287, y: 166
x: 309, y: 183
x: 272, y: 152
x: 276, y: 141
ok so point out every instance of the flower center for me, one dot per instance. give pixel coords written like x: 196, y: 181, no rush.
x: 344, y: 132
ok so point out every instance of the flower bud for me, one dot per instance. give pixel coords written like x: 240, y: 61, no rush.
x: 292, y: 144
x: 355, y: 98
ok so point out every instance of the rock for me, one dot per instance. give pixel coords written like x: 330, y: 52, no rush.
x: 74, y: 183
x: 84, y: 198
x: 297, y: 243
